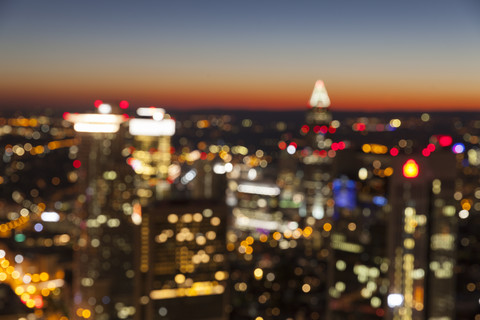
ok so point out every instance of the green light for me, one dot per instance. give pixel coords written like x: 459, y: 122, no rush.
x: 20, y: 237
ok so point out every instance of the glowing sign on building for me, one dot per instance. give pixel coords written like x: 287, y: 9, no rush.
x: 94, y: 122
x: 149, y: 127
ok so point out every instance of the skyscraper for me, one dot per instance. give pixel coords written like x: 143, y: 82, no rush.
x: 103, y: 263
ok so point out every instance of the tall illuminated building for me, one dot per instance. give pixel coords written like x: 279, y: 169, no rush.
x: 151, y: 154
x: 422, y: 234
x: 185, y: 273
x: 317, y: 161
x: 103, y: 263
x: 356, y: 276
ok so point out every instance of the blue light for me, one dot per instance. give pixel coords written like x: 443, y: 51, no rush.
x: 38, y: 227
x: 379, y: 201
x: 458, y: 148
x: 344, y: 193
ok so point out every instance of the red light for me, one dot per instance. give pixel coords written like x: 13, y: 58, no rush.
x: 394, y: 152
x: 335, y: 146
x: 323, y: 129
x: 445, y: 141
x: 293, y: 144
x: 331, y: 130
x: 361, y: 126
x: 282, y: 145
x: 410, y: 169
x: 38, y: 302
x: 77, y: 164
x: 123, y: 104
x: 305, y: 128
x: 341, y: 145
x: 323, y: 153
x: 97, y: 103
x: 316, y: 129
x: 172, y: 150
x: 66, y: 115
x: 203, y: 156
x: 426, y: 152
x: 431, y: 147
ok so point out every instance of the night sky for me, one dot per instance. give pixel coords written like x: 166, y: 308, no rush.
x: 372, y: 55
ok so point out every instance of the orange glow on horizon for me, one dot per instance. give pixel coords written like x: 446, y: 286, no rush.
x: 294, y: 95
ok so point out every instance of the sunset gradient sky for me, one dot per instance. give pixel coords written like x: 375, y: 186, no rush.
x: 372, y: 55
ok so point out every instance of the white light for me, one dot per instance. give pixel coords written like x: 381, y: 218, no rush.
x: 463, y: 214
x: 319, y: 98
x: 292, y: 225
x: 362, y: 174
x: 18, y: 258
x: 96, y: 127
x: 50, y: 216
x: 148, y: 127
x: 228, y: 167
x: 94, y: 122
x: 252, y: 174
x: 291, y: 149
x: 27, y: 279
x: 136, y: 218
x: 2, y: 253
x: 158, y: 116
x: 189, y: 176
x: 259, y: 189
x: 104, y: 108
x: 318, y: 212
x: 219, y: 168
x: 94, y: 118
x: 256, y: 224
x: 150, y: 112
x: 394, y: 300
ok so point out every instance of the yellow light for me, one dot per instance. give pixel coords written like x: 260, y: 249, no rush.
x: 277, y: 235
x: 327, y: 227
x: 249, y: 240
x: 3, y: 276
x: 388, y: 171
x: 179, y: 278
x: 263, y: 238
x: 258, y: 273
x: 79, y: 312
x: 30, y: 303
x: 410, y: 169
x: 31, y: 289
x: 258, y: 318
x: 19, y: 291
x: 307, y: 231
x: 45, y: 292
x: 44, y: 276
x: 35, y: 277
x: 366, y: 148
x: 86, y: 313
x: 5, y: 263
x: 306, y: 288
x: 248, y: 250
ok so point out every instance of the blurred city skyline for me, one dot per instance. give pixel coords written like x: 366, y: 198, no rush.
x: 374, y: 56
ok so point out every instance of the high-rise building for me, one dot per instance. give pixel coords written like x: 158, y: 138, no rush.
x: 187, y: 274
x: 103, y: 263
